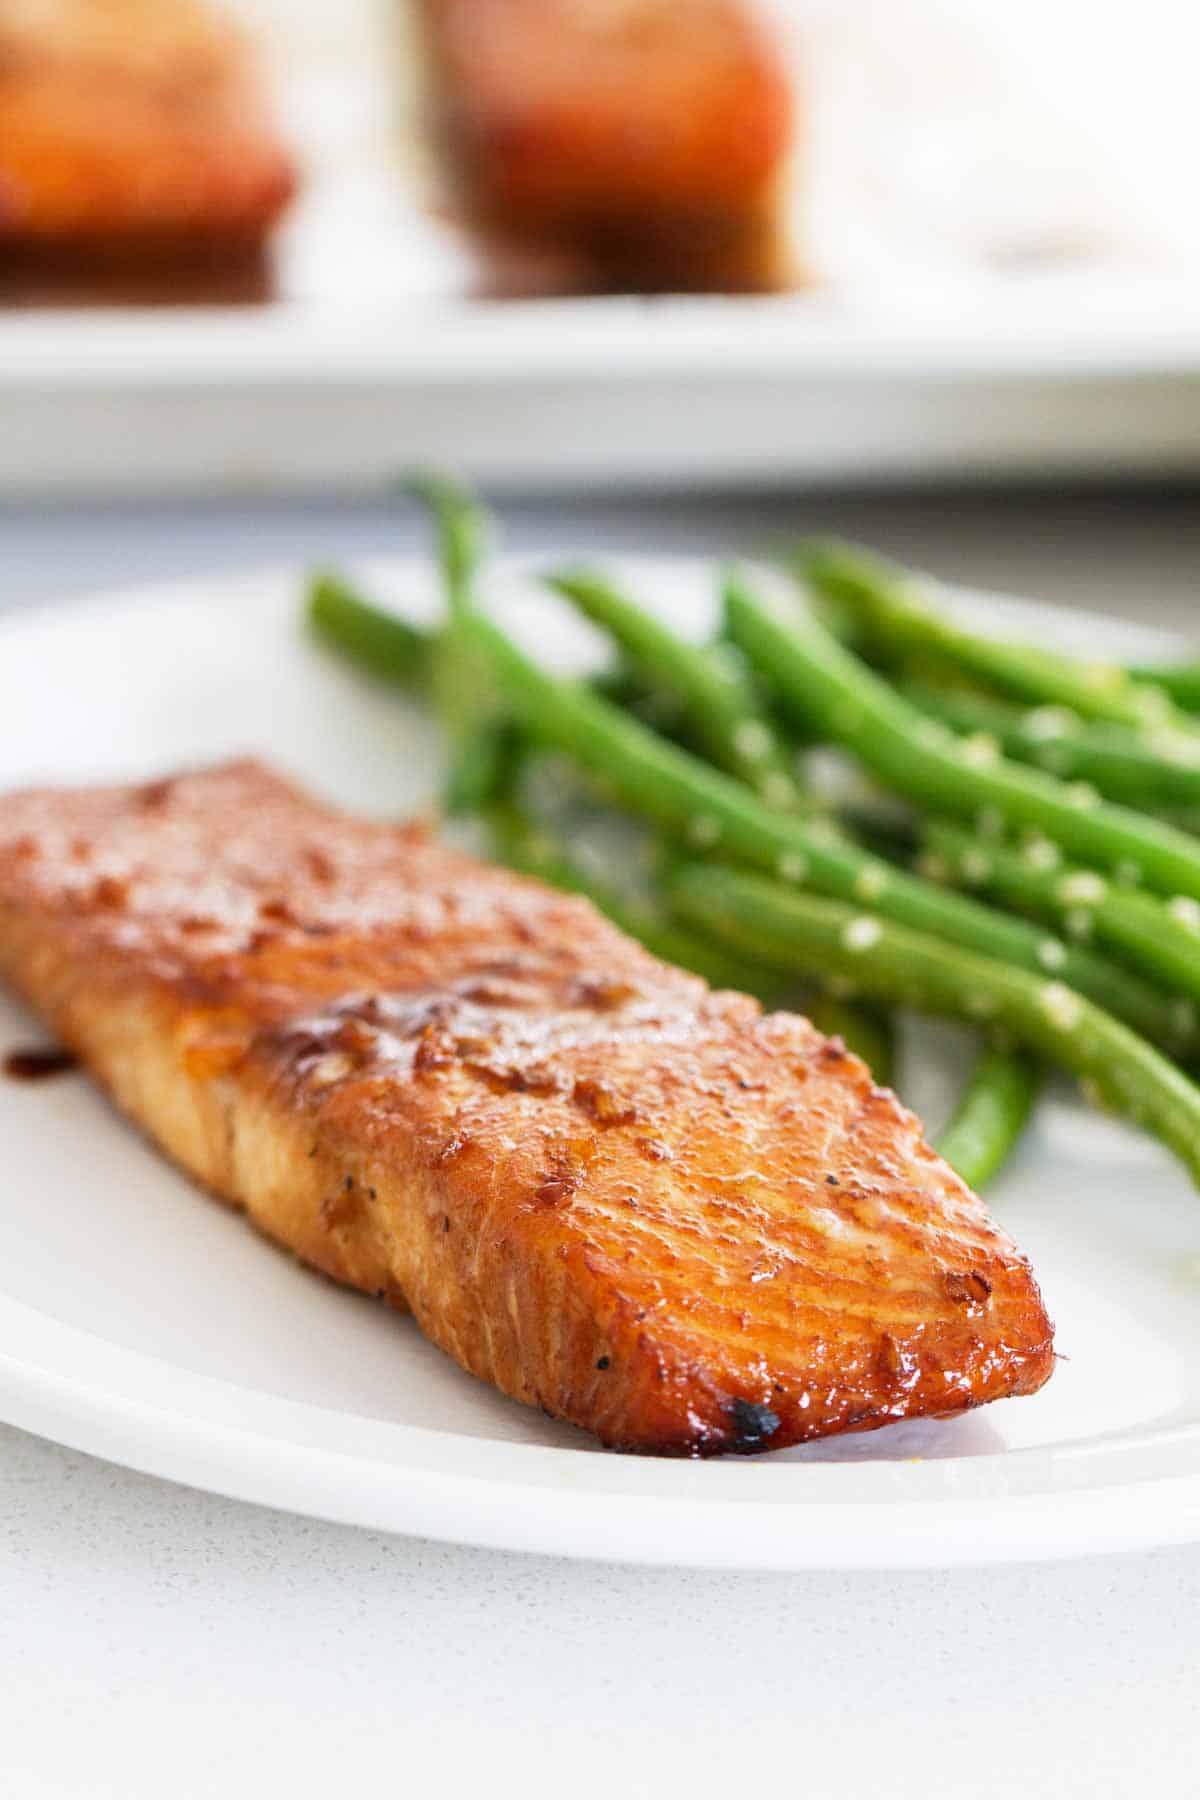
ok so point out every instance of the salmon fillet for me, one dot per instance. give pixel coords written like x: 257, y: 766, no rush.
x: 647, y: 139
x: 133, y: 128
x: 644, y: 1206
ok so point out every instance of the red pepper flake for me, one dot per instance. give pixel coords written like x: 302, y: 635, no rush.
x: 277, y: 909
x: 338, y: 1208
x: 967, y: 1287
x: 320, y: 866
x: 654, y: 1150
x: 561, y: 1177
x: 155, y: 794
x: 604, y: 1104
x: 433, y: 1052
x: 111, y: 892
x: 599, y: 994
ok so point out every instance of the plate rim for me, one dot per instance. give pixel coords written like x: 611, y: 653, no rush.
x: 201, y: 1445
x: 1133, y: 327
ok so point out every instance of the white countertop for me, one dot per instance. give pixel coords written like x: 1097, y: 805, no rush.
x: 161, y: 1642
x: 156, y: 1641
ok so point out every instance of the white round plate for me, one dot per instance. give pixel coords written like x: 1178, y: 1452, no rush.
x: 142, y: 1322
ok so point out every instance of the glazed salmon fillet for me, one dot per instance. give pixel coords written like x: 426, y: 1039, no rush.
x: 133, y: 127
x: 651, y: 1209
x: 648, y: 139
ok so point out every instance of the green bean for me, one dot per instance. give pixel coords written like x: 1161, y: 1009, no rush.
x: 393, y: 650
x: 719, y: 702
x: 383, y: 644
x: 654, y: 706
x: 463, y: 529
x: 1183, y: 818
x: 534, y: 849
x: 1155, y: 771
x: 1179, y: 681
x: 892, y: 611
x: 885, y: 962
x: 1163, y: 941
x: 378, y: 641
x: 480, y: 745
x: 691, y: 800
x: 992, y: 1112
x: 874, y: 597
x: 839, y: 695
x: 882, y: 827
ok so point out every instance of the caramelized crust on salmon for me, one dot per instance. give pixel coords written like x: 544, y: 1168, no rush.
x: 132, y: 127
x: 639, y: 1204
x: 645, y: 138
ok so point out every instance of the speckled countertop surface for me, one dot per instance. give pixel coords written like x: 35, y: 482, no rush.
x: 159, y: 1642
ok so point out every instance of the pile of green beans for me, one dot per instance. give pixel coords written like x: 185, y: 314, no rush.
x: 706, y: 809
x: 848, y: 704
x: 1035, y: 890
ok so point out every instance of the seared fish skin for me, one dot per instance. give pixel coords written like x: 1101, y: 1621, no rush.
x: 644, y: 1206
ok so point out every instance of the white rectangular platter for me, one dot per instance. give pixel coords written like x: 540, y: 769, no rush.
x: 1032, y: 378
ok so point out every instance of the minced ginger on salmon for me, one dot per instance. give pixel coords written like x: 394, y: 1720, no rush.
x: 651, y: 1209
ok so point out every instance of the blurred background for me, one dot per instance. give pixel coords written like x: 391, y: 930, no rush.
x: 249, y: 243
x: 920, y: 142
